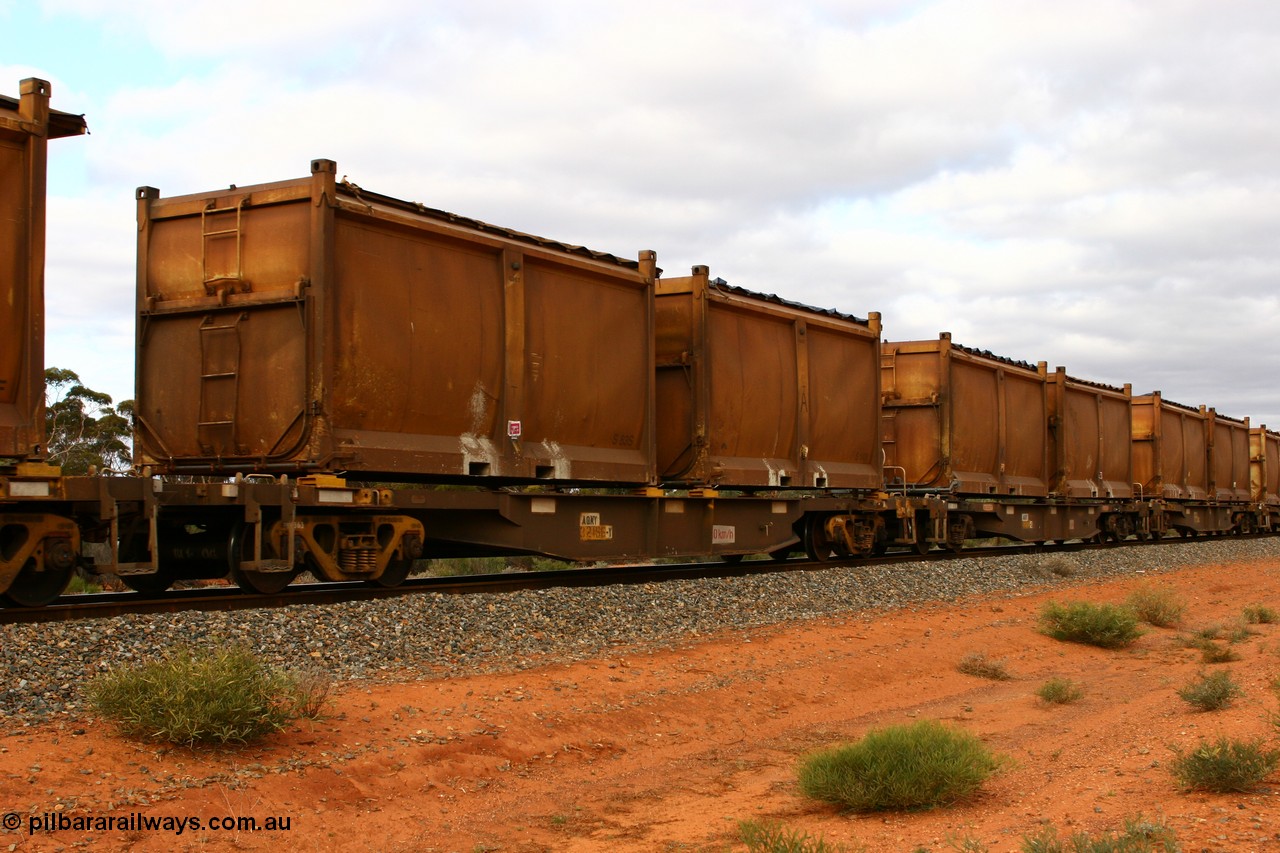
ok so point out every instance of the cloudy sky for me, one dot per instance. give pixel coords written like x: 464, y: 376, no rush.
x: 1091, y: 184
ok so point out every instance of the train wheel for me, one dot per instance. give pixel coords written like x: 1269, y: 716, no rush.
x: 36, y: 587
x: 152, y: 584
x: 816, y: 544
x: 261, y: 583
x: 395, y: 572
x: 921, y: 545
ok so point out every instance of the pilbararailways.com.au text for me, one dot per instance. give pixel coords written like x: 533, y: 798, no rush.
x: 58, y: 822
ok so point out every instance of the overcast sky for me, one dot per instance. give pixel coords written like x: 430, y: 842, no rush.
x: 1091, y: 184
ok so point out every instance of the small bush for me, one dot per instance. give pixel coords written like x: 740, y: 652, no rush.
x: 1060, y: 691
x: 1102, y: 625
x: 1060, y: 566
x: 773, y: 837
x: 1211, y: 652
x: 1240, y: 633
x: 1259, y: 615
x: 82, y: 586
x: 1156, y: 606
x: 1205, y: 640
x: 1225, y: 766
x: 1204, y: 635
x: 1212, y: 692
x: 220, y: 696
x: 916, y: 766
x: 977, y: 663
x: 1139, y: 836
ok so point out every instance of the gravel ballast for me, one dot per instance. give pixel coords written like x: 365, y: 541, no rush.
x: 435, y: 635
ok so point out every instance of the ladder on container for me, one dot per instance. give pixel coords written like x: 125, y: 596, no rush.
x: 220, y: 284
x: 219, y: 384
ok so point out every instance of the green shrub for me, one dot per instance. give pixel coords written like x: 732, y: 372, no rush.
x: 455, y: 566
x: 772, y: 837
x: 977, y: 663
x: 1204, y: 635
x: 1156, y: 606
x: 1139, y: 836
x: 81, y: 586
x: 1060, y: 691
x: 1225, y: 766
x: 922, y: 765
x: 1102, y: 625
x: 1211, y: 692
x: 1258, y: 615
x: 225, y: 695
x: 1211, y: 652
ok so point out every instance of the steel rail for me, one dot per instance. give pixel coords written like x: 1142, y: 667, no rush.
x: 112, y: 604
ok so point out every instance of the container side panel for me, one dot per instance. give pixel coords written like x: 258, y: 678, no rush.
x: 1173, y: 455
x: 975, y: 416
x: 1272, y: 476
x: 1078, y: 437
x: 676, y: 384
x: 1026, y: 434
x: 589, y: 368
x: 1195, y: 431
x: 1231, y: 461
x: 417, y: 344
x: 753, y: 385
x: 14, y: 217
x: 844, y: 395
x: 1117, y: 447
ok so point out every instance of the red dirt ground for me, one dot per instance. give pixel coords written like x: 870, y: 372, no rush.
x: 670, y: 749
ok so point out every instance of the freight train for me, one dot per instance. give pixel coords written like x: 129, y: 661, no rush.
x: 340, y: 381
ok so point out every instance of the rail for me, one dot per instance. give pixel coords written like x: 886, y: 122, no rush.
x: 113, y: 604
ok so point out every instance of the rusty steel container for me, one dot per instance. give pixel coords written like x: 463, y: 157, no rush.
x: 1170, y: 449
x: 310, y: 325
x: 1264, y: 467
x: 26, y: 126
x: 1229, y: 474
x: 963, y: 421
x: 1091, y: 449
x: 755, y: 391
